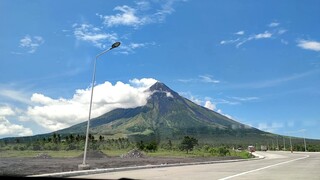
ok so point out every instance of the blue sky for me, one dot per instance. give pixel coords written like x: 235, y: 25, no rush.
x: 257, y: 62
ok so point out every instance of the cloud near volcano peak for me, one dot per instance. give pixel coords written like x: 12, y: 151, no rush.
x: 54, y: 114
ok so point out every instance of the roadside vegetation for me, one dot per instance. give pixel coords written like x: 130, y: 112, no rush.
x: 72, y: 146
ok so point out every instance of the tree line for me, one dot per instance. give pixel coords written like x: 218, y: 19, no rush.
x: 58, y: 142
x: 76, y: 142
x: 66, y: 142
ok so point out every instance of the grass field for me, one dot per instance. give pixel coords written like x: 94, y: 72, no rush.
x: 161, y: 153
x: 27, y: 153
x: 116, y: 153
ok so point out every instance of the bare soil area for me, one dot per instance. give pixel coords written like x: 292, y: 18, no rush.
x: 43, y: 164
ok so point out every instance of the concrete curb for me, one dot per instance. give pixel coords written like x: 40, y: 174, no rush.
x: 97, y: 171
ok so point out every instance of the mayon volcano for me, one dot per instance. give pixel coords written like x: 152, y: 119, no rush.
x: 167, y: 115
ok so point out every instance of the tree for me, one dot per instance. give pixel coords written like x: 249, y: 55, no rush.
x: 170, y: 144
x: 188, y: 143
x: 78, y: 138
x: 71, y: 138
x: 59, y: 138
x: 91, y: 137
x: 101, y: 138
x: 223, y: 151
x: 152, y: 146
x: 140, y: 145
x: 54, y: 137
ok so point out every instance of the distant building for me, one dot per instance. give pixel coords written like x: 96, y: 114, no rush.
x: 251, y: 149
x: 264, y: 148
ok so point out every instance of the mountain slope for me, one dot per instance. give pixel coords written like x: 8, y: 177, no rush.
x: 166, y: 115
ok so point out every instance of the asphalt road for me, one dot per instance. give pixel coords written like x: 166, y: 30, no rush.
x: 275, y: 165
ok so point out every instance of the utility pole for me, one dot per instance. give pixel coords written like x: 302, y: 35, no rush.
x: 290, y: 144
x: 284, y: 143
x: 305, y: 144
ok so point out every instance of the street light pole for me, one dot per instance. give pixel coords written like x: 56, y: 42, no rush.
x: 290, y: 145
x: 84, y: 165
x: 305, y: 144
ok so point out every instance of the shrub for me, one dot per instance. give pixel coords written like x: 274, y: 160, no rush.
x: 188, y: 143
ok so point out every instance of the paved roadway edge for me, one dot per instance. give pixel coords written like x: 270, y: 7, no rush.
x: 97, y: 171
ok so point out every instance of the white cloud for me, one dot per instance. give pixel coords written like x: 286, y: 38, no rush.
x: 127, y: 49
x: 142, y: 13
x: 145, y: 12
x: 245, y: 98
x: 223, y: 101
x: 94, y: 35
x: 143, y: 5
x: 242, y: 40
x: 142, y: 83
x: 201, y: 78
x: 273, y: 32
x: 309, y: 45
x: 31, y: 43
x: 127, y: 17
x: 195, y: 100
x: 208, y: 104
x: 240, y: 33
x: 274, y: 24
x: 6, y: 111
x: 185, y: 80
x: 266, y: 34
x: 226, y: 115
x: 8, y: 129
x: 168, y: 94
x: 282, y: 31
x: 41, y: 99
x: 192, y: 98
x: 54, y: 114
x: 229, y: 41
x: 166, y: 9
x: 208, y: 79
x: 137, y: 45
x: 14, y: 95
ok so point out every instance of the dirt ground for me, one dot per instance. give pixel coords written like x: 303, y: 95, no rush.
x: 44, y: 164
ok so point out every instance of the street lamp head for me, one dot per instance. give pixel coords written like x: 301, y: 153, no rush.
x: 114, y: 45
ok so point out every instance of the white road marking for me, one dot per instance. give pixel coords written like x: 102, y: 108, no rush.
x: 247, y: 172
